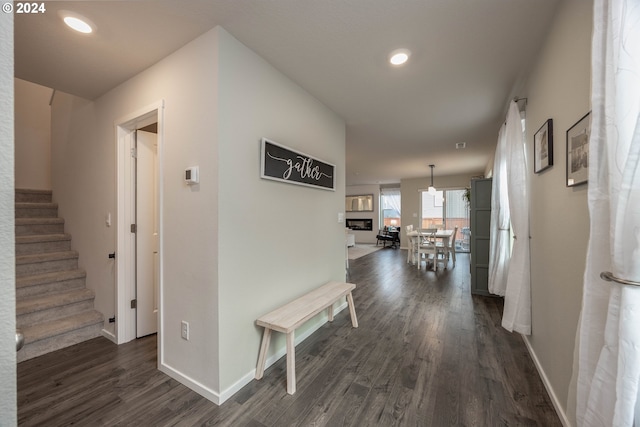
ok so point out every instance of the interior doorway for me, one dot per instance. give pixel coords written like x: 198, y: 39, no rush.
x: 139, y: 225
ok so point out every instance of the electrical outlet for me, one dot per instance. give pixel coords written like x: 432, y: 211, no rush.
x: 185, y: 330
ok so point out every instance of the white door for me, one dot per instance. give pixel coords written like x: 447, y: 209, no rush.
x: 146, y: 234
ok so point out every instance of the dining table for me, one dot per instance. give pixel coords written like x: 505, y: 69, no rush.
x: 443, y: 235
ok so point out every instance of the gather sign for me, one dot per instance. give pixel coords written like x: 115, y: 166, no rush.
x: 283, y: 164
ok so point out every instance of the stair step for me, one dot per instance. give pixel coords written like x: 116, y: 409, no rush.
x: 54, y: 335
x: 40, y: 243
x: 31, y: 226
x: 54, y: 309
x: 36, y: 210
x: 31, y: 264
x: 26, y: 195
x: 58, y: 281
x: 45, y: 308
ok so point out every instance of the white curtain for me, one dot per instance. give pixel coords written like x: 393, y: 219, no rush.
x: 500, y: 244
x: 517, y: 298
x: 609, y: 329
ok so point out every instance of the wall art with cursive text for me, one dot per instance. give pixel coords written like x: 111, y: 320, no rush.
x: 280, y: 163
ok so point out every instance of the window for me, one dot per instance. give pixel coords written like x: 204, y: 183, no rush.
x: 446, y: 209
x: 390, y: 207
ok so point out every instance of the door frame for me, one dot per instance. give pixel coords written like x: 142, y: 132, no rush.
x: 147, y: 253
x: 125, y: 200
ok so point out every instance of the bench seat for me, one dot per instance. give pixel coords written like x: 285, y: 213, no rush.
x: 289, y: 317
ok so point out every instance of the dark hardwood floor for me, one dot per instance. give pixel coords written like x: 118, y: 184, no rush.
x: 427, y: 353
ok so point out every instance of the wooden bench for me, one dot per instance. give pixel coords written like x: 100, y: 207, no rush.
x: 289, y: 317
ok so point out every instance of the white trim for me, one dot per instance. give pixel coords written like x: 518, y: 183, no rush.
x: 160, y: 173
x: 142, y: 117
x: 125, y: 270
x: 220, y: 397
x: 194, y: 385
x: 110, y: 336
x: 547, y: 385
x: 125, y: 274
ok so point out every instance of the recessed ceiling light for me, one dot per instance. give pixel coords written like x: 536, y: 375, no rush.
x: 77, y: 22
x: 399, y: 56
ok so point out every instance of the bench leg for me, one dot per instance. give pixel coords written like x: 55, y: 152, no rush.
x: 352, y: 310
x: 331, y: 313
x: 291, y: 363
x: 262, y: 357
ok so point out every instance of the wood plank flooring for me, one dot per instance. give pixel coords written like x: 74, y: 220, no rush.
x: 427, y: 353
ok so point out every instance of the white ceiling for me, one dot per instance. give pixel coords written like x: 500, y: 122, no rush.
x: 469, y: 58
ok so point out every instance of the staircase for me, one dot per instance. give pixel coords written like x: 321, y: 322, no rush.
x: 54, y: 309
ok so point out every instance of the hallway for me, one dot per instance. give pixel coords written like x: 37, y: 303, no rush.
x: 427, y: 353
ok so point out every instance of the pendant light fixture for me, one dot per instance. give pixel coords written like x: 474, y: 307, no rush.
x: 432, y: 190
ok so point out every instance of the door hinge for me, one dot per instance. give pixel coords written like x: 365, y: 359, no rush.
x: 134, y: 228
x: 134, y: 303
x: 134, y: 152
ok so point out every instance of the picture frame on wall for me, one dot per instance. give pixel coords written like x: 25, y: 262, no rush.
x: 578, y: 151
x: 283, y: 164
x: 543, y: 147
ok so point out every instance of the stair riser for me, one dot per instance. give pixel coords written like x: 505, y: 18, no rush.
x: 35, y: 229
x: 36, y: 212
x: 42, y: 247
x: 27, y: 197
x: 38, y: 348
x: 44, y: 288
x: 46, y: 267
x: 45, y: 279
x: 53, y: 313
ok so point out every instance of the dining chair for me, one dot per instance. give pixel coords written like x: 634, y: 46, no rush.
x: 452, y: 245
x: 448, y: 248
x: 426, y: 244
x: 385, y: 236
x: 410, y: 244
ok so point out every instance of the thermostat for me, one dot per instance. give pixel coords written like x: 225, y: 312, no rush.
x: 191, y: 175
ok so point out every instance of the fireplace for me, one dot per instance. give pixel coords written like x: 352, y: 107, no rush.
x: 365, y: 224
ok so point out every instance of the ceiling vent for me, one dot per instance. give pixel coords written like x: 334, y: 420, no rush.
x: 461, y: 145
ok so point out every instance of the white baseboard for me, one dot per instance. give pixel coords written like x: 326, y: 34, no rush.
x: 547, y: 384
x: 220, y: 398
x: 194, y: 385
x: 110, y: 336
x: 249, y: 376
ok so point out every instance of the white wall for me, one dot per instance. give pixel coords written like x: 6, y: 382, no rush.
x: 32, y: 136
x: 84, y: 177
x: 8, y: 399
x: 234, y: 246
x: 277, y: 241
x: 358, y: 190
x: 558, y: 88
x: 410, y: 194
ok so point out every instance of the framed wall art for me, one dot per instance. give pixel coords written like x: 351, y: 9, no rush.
x: 578, y: 151
x: 543, y: 147
x: 280, y: 163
